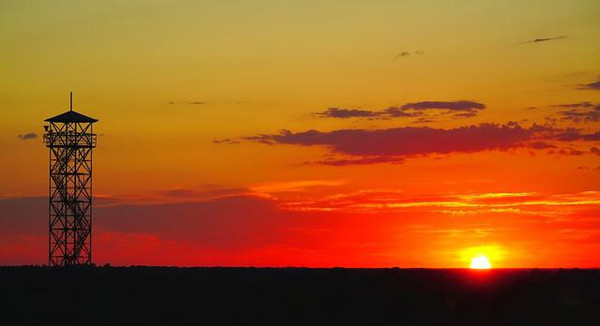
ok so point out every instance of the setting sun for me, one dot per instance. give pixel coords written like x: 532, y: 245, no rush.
x: 480, y: 262
x: 479, y: 257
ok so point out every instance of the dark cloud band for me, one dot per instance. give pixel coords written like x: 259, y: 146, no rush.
x: 458, y: 109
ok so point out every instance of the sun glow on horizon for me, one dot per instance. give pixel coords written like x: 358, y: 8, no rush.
x: 480, y: 262
x: 480, y: 257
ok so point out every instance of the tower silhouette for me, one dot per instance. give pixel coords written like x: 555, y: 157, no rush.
x: 70, y: 139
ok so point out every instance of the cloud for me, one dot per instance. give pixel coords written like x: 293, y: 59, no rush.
x: 233, y: 223
x: 401, y: 55
x: 458, y: 109
x: 225, y: 222
x: 575, y: 105
x: 593, y: 85
x: 21, y: 216
x: 235, y: 231
x: 294, y: 186
x: 305, y: 230
x: 186, y: 102
x: 468, y: 114
x: 173, y: 195
x: 359, y: 161
x: 380, y: 201
x: 371, y: 146
x: 399, y: 112
x: 591, y: 137
x: 572, y: 134
x: 423, y: 120
x: 225, y: 141
x: 545, y: 39
x: 27, y: 136
x: 406, y: 141
x: 567, y: 152
x: 595, y: 150
x: 440, y: 105
x: 540, y: 145
x: 405, y: 54
x: 205, y: 193
x: 579, y: 112
x: 347, y: 113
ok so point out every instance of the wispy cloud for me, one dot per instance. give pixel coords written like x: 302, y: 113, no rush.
x: 540, y: 145
x: 186, y: 102
x: 404, y: 54
x: 358, y: 161
x: 456, y: 204
x: 580, y: 112
x: 400, y: 112
x: 460, y: 109
x: 264, y: 231
x: 294, y: 186
x: 545, y: 39
x: 573, y: 134
x: 342, y: 113
x: 457, y: 109
x: 576, y: 105
x: 568, y: 152
x: 450, y: 106
x: 592, y: 86
x: 173, y: 195
x: 226, y: 141
x: 401, y: 55
x: 27, y: 136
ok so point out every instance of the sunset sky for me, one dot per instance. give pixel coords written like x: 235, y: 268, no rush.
x: 311, y: 133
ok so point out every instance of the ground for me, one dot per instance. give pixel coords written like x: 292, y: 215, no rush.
x: 297, y: 296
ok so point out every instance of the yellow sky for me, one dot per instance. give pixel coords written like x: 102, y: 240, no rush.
x: 261, y: 66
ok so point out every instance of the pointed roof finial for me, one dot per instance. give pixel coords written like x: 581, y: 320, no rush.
x: 71, y: 116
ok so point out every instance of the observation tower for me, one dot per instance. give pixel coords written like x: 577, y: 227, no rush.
x: 70, y: 139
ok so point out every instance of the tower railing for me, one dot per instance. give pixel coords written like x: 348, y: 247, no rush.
x: 69, y: 138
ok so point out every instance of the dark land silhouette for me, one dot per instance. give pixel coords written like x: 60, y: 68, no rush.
x: 297, y: 296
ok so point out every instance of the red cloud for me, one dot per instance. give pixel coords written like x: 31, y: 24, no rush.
x: 408, y: 140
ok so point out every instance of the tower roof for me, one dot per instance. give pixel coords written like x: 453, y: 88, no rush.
x: 71, y: 116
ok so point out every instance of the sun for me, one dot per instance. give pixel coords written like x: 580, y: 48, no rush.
x: 480, y: 257
x: 480, y: 262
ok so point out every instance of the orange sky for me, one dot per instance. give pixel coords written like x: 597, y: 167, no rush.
x: 338, y: 133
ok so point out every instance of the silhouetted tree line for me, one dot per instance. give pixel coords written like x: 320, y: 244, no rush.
x: 296, y: 296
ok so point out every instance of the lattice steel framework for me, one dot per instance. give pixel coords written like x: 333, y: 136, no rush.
x: 70, y: 139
